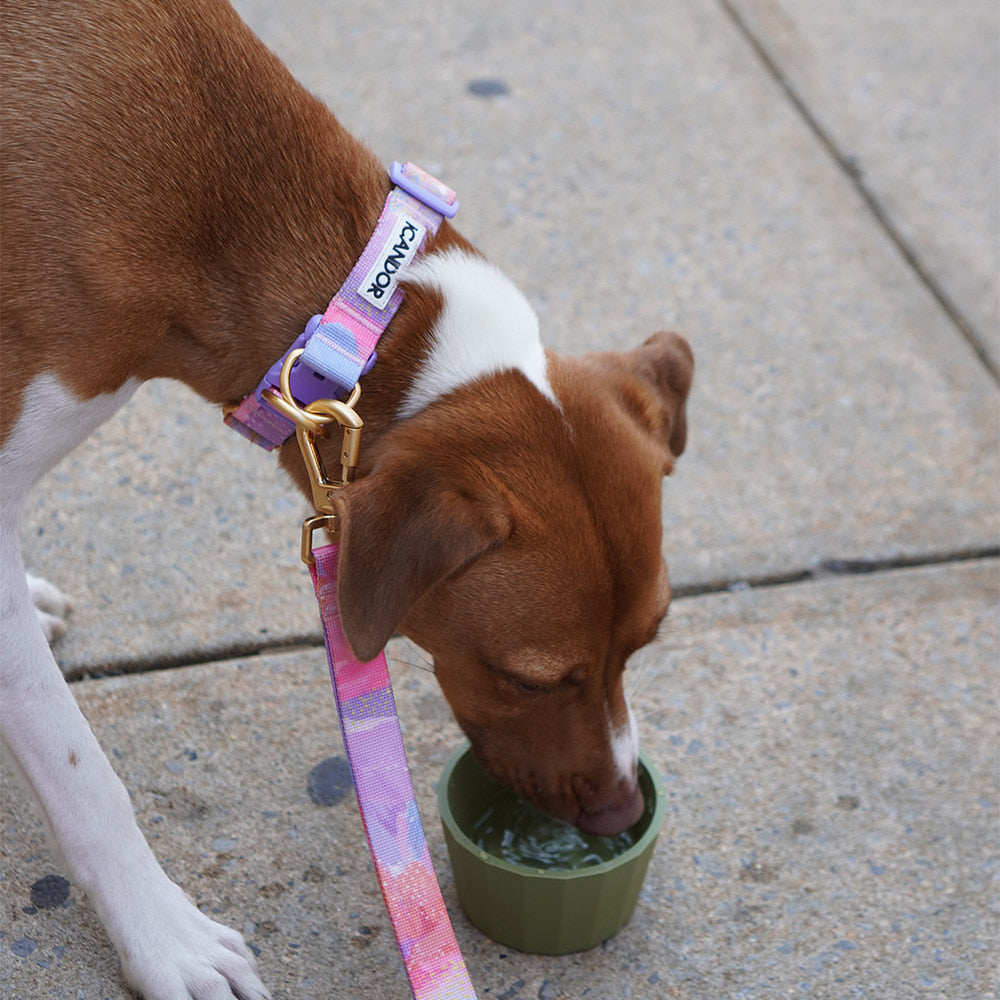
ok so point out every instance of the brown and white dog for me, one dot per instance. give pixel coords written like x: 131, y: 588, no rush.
x: 175, y: 205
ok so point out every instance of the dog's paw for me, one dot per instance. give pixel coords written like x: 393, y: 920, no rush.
x: 51, y: 605
x: 174, y: 952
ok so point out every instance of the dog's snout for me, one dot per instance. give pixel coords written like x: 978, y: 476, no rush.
x: 615, y: 818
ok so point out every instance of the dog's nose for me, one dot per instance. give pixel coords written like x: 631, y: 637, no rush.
x: 613, y: 819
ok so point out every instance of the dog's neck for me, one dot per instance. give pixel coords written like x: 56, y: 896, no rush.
x: 461, y: 321
x: 239, y: 314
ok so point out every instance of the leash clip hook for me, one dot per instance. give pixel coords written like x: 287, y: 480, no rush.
x: 310, y: 423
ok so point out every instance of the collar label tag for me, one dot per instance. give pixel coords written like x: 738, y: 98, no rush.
x: 378, y: 285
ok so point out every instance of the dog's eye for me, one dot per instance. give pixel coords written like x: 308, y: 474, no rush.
x: 518, y: 683
x: 522, y: 686
x: 525, y: 687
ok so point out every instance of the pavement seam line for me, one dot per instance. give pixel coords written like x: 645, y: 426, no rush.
x: 825, y: 570
x: 828, y: 569
x: 849, y: 167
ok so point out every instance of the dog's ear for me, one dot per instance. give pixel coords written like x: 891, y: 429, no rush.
x: 400, y: 534
x: 665, y: 365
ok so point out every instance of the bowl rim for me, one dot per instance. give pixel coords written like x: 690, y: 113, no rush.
x: 470, y: 847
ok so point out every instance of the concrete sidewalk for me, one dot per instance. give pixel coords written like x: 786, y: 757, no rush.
x: 809, y: 191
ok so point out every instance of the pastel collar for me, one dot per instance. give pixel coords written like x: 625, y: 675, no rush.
x: 339, y: 345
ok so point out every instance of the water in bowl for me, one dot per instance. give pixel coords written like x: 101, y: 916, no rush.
x: 514, y: 831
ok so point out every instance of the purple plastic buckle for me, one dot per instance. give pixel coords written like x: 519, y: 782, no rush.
x: 435, y: 195
x: 305, y: 384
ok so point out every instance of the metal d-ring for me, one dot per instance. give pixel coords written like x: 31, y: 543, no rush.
x: 317, y: 416
x: 283, y: 401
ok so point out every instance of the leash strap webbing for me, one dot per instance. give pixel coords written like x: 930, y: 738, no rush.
x: 374, y: 745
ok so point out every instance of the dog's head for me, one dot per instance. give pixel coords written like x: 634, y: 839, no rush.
x: 519, y: 543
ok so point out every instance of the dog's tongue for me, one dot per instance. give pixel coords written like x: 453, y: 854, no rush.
x: 613, y: 820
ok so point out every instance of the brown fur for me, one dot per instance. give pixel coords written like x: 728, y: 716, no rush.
x: 176, y: 205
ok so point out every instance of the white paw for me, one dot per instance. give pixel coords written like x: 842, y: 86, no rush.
x: 174, y: 952
x: 52, y: 607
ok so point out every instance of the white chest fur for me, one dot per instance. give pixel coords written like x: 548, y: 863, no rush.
x: 52, y: 423
x: 486, y: 326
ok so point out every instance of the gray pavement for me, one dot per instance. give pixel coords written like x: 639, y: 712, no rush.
x: 809, y: 192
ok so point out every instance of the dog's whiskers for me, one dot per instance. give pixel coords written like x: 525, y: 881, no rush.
x: 638, y: 676
x: 636, y: 682
x: 416, y: 657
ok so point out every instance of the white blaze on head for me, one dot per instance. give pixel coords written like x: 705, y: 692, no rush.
x: 625, y: 746
x: 486, y: 326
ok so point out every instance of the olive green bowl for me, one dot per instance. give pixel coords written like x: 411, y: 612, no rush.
x: 534, y: 910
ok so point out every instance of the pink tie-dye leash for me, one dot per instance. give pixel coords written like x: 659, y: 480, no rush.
x: 300, y: 395
x: 374, y: 746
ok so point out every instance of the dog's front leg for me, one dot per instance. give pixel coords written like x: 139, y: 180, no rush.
x: 169, y: 950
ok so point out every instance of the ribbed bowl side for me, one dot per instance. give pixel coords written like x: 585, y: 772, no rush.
x: 547, y: 913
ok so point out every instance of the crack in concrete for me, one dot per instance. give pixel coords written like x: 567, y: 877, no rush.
x: 826, y: 569
x: 849, y: 168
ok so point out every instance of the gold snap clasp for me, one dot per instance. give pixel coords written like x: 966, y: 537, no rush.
x: 311, y: 422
